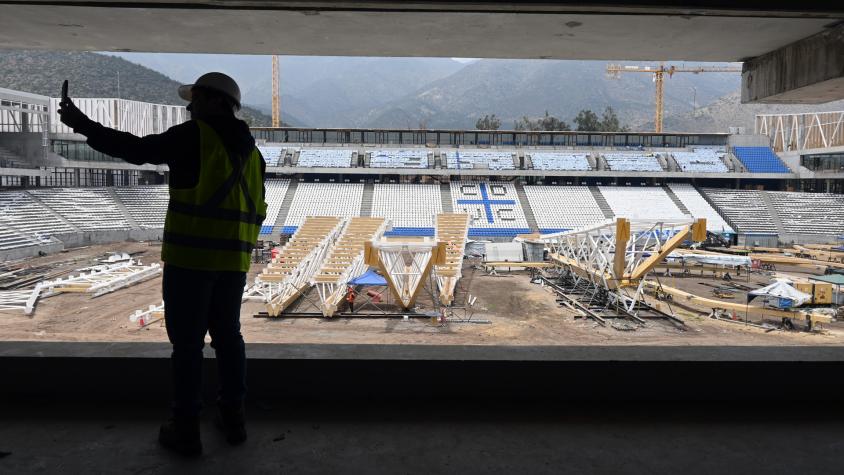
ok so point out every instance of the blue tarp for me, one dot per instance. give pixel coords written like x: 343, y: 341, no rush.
x: 368, y: 278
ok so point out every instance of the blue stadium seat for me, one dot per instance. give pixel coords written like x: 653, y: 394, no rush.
x: 410, y: 232
x: 760, y: 160
x: 266, y: 229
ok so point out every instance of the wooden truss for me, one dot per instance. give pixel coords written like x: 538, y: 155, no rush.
x: 103, y: 279
x: 591, y: 254
x: 289, y: 274
x: 345, y: 261
x: 803, y: 131
x: 405, y: 265
x: 20, y: 299
x: 452, y: 230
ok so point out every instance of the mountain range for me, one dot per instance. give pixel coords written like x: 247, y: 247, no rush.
x: 402, y: 92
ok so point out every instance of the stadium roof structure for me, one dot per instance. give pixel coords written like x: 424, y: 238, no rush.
x: 802, y: 36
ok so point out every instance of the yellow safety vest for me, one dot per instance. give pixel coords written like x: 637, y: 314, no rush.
x: 215, y: 224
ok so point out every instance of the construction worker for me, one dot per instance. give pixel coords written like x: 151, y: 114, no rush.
x: 350, y: 298
x: 213, y: 218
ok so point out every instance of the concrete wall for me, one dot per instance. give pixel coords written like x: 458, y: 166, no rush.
x: 749, y: 140
x: 31, y: 251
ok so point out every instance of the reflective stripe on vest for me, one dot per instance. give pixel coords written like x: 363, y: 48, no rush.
x: 214, y: 225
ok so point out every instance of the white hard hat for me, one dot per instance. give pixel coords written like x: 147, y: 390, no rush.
x: 216, y: 81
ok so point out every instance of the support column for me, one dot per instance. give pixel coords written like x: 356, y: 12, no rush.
x: 809, y: 71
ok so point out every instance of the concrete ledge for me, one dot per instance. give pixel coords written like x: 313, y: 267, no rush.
x: 140, y: 371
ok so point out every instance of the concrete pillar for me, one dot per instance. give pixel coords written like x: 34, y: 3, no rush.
x: 809, y: 71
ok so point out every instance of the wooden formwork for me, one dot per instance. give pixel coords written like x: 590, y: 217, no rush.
x: 453, y: 230
x: 345, y: 261
x: 289, y: 274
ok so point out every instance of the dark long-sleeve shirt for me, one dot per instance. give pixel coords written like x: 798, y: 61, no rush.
x: 178, y: 147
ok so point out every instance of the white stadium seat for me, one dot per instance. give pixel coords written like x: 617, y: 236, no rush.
x: 560, y: 161
x: 810, y: 213
x: 700, y: 208
x: 328, y: 158
x: 407, y: 205
x: 399, y: 159
x: 558, y: 208
x: 645, y: 202
x: 746, y: 209
x: 632, y: 161
x: 702, y: 160
x: 89, y: 209
x: 273, y: 156
x: 324, y: 199
x: 484, y: 159
x: 146, y: 204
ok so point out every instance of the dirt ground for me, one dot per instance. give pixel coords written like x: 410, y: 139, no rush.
x: 518, y: 312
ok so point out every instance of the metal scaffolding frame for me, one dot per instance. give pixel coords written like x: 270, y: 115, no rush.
x: 592, y: 268
x: 103, y: 279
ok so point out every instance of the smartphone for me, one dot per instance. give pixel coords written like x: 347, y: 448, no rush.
x: 64, y: 90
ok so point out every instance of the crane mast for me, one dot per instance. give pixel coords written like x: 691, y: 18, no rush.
x: 276, y: 122
x: 614, y: 71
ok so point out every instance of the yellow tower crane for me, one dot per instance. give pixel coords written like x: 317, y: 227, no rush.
x: 614, y: 71
x: 276, y: 95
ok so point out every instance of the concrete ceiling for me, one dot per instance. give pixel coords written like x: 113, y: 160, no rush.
x: 631, y: 30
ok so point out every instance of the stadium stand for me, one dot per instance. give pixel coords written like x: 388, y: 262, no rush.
x: 746, y: 209
x: 632, y: 162
x: 701, y: 160
x: 399, y: 159
x: 90, y: 209
x: 646, y: 202
x: 700, y: 208
x: 560, y: 208
x: 275, y: 191
x: 760, y: 160
x: 314, y: 157
x: 410, y: 207
x: 469, y: 159
x: 19, y: 210
x: 809, y: 213
x: 560, y: 161
x: 494, y: 207
x: 11, y: 239
x: 273, y: 156
x: 147, y: 205
x: 323, y: 199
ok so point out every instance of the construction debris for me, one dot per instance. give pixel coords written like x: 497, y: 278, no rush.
x: 103, y: 279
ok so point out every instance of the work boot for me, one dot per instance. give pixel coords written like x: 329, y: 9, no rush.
x: 181, y: 435
x: 232, y: 422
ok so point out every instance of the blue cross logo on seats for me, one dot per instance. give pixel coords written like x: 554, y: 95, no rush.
x: 473, y: 189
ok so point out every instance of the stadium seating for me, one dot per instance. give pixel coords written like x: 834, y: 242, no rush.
x: 147, y: 205
x: 273, y: 156
x: 703, y: 160
x: 560, y: 208
x: 19, y: 210
x: 314, y: 157
x: 700, y: 208
x: 324, y: 199
x: 486, y: 159
x: 560, y: 161
x: 632, y: 162
x: 493, y: 206
x: 809, y: 213
x: 12, y: 239
x: 645, y: 202
x: 399, y: 159
x: 760, y: 160
x: 746, y: 209
x: 89, y: 209
x: 407, y: 206
x: 276, y: 190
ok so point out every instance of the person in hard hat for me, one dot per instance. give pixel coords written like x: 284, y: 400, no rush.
x: 213, y: 218
x: 350, y: 298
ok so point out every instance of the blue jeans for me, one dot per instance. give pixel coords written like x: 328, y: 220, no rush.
x: 196, y: 302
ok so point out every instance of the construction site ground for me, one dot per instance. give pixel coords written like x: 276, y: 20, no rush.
x: 518, y: 311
